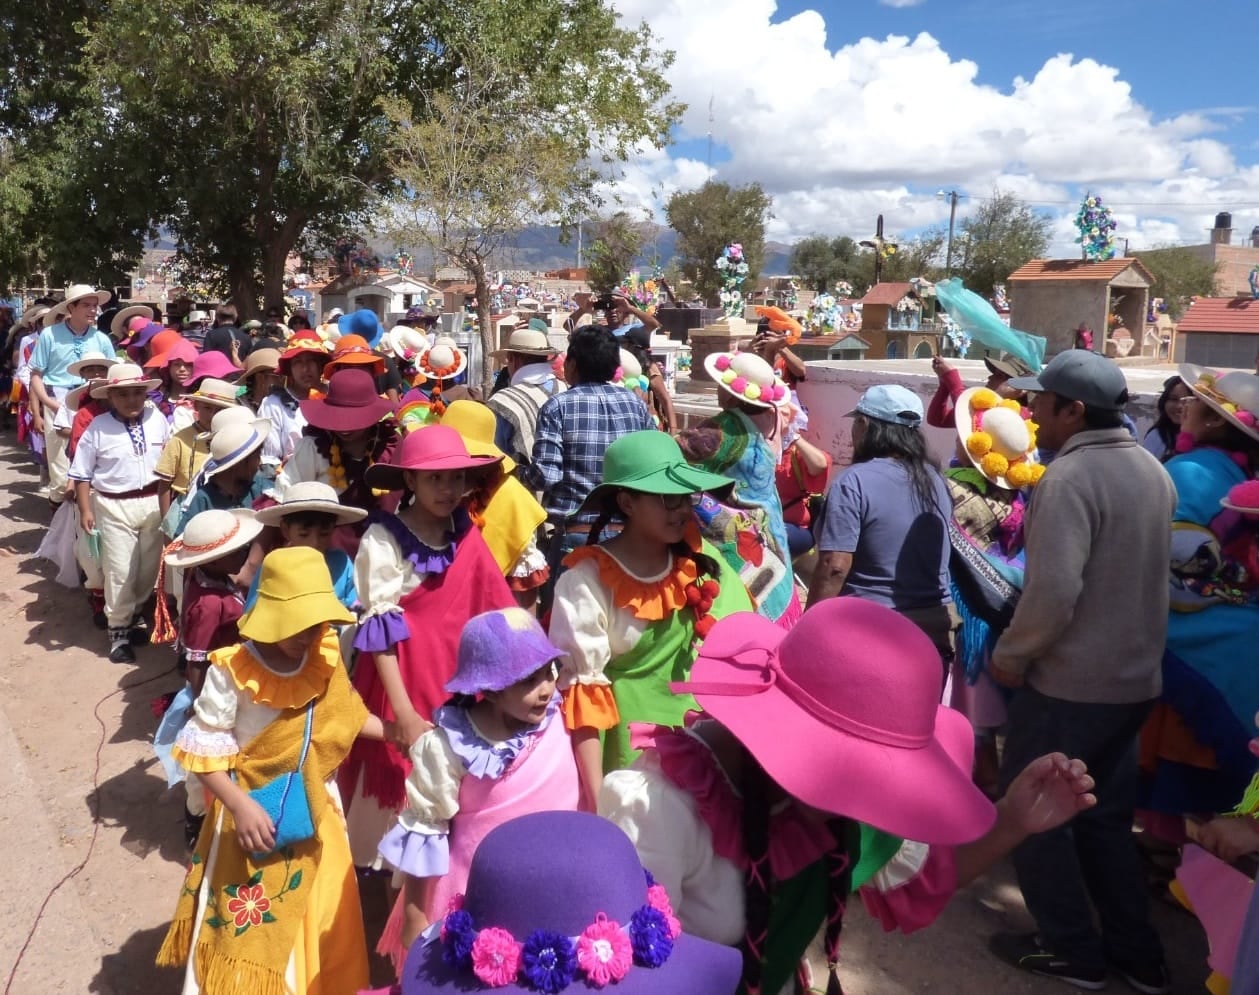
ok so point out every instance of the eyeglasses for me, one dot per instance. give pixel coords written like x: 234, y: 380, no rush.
x: 675, y: 502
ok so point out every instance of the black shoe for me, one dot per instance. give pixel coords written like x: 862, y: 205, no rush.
x: 99, y: 620
x: 1151, y: 979
x: 192, y: 828
x: 120, y: 650
x: 139, y: 633
x: 1023, y: 950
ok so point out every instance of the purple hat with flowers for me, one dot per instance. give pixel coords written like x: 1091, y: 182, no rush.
x: 499, y: 648
x: 593, y: 919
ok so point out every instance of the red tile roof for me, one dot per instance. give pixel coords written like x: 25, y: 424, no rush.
x: 1221, y: 314
x: 887, y: 293
x: 1077, y: 269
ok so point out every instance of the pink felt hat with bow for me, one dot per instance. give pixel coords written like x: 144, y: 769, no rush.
x: 843, y: 712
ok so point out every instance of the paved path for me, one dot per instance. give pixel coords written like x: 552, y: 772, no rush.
x: 100, y: 932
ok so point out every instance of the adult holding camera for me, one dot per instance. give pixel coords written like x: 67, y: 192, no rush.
x: 619, y: 313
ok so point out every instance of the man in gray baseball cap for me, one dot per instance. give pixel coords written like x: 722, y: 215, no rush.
x: 1084, y: 654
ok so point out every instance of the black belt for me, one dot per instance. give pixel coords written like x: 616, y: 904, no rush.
x: 149, y: 491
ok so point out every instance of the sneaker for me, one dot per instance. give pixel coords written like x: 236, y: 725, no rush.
x: 1024, y: 951
x: 138, y: 631
x: 120, y: 650
x: 1151, y: 979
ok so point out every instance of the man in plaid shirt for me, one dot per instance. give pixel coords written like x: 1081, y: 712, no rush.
x: 576, y: 427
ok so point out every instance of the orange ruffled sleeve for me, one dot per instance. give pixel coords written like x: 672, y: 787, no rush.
x: 590, y: 706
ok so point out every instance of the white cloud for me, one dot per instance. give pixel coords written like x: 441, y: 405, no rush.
x: 839, y: 130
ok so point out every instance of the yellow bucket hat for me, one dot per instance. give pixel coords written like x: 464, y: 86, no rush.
x: 475, y: 422
x: 294, y: 593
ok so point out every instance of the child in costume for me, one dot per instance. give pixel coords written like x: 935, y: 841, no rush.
x: 301, y: 365
x: 259, y: 377
x: 116, y: 488
x: 256, y: 915
x: 174, y: 367
x: 420, y: 574
x: 761, y: 820
x: 210, y: 554
x: 185, y: 454
x: 232, y: 477
x: 307, y: 515
x: 498, y: 750
x: 593, y: 918
x: 505, y: 511
x: 628, y: 613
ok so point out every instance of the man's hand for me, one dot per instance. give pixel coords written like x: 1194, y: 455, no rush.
x: 583, y: 301
x: 1050, y: 791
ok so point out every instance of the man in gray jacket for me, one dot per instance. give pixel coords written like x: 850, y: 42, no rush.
x: 1084, y: 651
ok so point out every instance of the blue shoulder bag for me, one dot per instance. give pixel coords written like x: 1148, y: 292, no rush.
x: 284, y: 800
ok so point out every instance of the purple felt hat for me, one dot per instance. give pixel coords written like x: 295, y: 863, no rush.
x: 531, y: 922
x: 212, y: 363
x: 499, y: 648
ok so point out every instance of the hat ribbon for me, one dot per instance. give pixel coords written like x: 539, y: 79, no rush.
x: 163, y: 625
x: 244, y: 447
x: 776, y: 677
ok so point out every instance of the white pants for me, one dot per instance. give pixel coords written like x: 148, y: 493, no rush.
x: 131, y: 551
x: 89, y: 564
x: 55, y: 451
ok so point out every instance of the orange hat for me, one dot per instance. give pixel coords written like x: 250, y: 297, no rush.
x: 353, y: 350
x: 303, y: 343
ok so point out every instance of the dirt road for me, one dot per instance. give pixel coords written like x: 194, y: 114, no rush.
x: 76, y: 766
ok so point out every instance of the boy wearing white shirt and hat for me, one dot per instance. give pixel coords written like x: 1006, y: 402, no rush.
x: 116, y: 490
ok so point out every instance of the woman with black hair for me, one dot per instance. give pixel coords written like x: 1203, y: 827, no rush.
x: 824, y: 766
x: 885, y: 530
x: 1160, y: 440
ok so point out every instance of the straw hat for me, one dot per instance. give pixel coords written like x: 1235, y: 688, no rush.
x: 404, y: 342
x: 90, y: 358
x: 211, y: 534
x: 748, y: 377
x: 294, y: 594
x: 233, y: 443
x: 121, y: 376
x: 843, y: 712
x: 444, y: 361
x: 998, y: 440
x: 476, y: 425
x: 433, y: 447
x: 217, y: 393
x: 80, y: 291
x: 74, y: 398
x: 527, y: 341
x: 353, y: 350
x: 350, y: 405
x: 237, y: 414
x: 260, y: 361
x: 310, y: 495
x: 33, y: 314
x: 120, y: 322
x: 1233, y: 395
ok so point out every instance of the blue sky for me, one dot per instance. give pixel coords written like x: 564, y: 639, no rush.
x: 845, y: 109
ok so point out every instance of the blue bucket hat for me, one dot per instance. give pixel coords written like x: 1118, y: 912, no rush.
x: 362, y: 322
x: 890, y: 403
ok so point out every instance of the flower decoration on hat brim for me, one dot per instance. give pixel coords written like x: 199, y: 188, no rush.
x: 743, y: 387
x: 1019, y: 472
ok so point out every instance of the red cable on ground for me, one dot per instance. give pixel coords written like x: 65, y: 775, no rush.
x: 96, y: 823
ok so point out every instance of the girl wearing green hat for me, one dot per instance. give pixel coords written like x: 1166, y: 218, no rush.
x: 629, y: 613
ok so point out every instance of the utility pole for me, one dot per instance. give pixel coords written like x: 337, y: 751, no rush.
x: 710, y: 134
x: 948, y: 252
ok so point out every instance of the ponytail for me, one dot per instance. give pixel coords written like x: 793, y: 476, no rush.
x: 756, y: 877
x: 839, y: 863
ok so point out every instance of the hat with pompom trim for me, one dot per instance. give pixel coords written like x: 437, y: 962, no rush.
x: 1243, y: 498
x: 998, y: 437
x: 1235, y: 395
x: 748, y: 377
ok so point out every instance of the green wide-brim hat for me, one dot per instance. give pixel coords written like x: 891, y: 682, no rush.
x: 652, y: 462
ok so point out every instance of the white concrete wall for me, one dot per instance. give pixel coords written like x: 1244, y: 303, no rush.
x: 833, y: 389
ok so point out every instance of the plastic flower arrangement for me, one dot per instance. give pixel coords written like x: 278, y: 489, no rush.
x: 1097, y: 229
x: 602, y: 954
x: 955, y: 335
x: 733, y: 270
x: 646, y: 295
x: 824, y: 313
x: 1018, y: 471
x: 843, y: 288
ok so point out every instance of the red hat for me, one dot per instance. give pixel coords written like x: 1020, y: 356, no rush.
x: 848, y: 725
x: 351, y: 403
x: 434, y: 447
x: 180, y: 349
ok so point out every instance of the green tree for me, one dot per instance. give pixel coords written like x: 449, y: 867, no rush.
x: 618, y: 240
x: 503, y: 147
x: 1003, y: 234
x: 1179, y: 275
x: 709, y: 219
x: 918, y: 256
x: 821, y: 262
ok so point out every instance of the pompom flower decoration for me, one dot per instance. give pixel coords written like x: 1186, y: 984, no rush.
x: 994, y: 464
x: 1097, y: 230
x: 994, y: 443
x: 733, y: 270
x: 603, y: 953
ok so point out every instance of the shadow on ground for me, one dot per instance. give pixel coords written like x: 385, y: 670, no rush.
x: 131, y: 969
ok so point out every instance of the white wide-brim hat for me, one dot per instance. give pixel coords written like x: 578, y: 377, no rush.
x: 218, y: 393
x: 123, y: 375
x: 213, y: 533
x: 445, y: 355
x: 310, y: 495
x: 232, y: 444
x: 90, y: 358
x: 738, y: 373
x: 526, y: 342
x: 118, y: 323
x: 1012, y: 437
x: 78, y: 291
x: 404, y: 342
x: 1230, y: 394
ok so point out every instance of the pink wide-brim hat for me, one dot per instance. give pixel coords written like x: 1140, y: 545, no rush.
x: 212, y: 363
x: 434, y: 447
x: 843, y: 713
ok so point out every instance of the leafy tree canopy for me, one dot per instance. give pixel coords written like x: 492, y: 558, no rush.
x: 709, y: 219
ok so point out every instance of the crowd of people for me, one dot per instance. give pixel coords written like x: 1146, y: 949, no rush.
x: 428, y: 638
